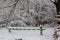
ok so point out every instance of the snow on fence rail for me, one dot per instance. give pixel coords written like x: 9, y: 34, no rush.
x: 26, y: 28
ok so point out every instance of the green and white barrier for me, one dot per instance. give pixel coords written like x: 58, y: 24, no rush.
x: 26, y: 28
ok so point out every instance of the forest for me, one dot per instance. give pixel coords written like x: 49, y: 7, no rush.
x: 22, y: 13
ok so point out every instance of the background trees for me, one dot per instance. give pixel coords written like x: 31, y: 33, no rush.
x: 57, y: 4
x: 27, y: 12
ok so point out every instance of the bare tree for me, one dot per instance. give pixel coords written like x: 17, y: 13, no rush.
x: 8, y: 18
x: 27, y: 6
x: 37, y: 7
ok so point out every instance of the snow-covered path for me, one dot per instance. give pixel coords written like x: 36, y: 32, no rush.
x: 26, y: 34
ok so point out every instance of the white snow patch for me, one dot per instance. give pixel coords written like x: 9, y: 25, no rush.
x: 26, y: 34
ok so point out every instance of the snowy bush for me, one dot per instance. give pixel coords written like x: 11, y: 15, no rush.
x: 28, y: 12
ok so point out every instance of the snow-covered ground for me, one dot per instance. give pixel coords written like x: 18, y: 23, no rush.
x: 26, y: 34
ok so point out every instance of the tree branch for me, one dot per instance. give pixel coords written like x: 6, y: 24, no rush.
x: 54, y: 2
x: 16, y: 1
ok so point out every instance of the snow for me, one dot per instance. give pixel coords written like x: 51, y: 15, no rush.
x: 26, y: 34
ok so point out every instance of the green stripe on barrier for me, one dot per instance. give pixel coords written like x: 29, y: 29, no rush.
x: 23, y: 29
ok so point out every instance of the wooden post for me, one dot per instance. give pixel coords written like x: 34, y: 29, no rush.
x: 41, y: 30
x: 9, y: 30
